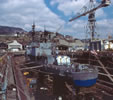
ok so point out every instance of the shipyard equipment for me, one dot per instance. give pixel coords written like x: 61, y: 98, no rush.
x: 90, y: 9
x: 60, y: 64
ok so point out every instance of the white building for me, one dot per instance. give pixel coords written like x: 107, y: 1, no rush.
x: 108, y: 44
x: 14, y: 46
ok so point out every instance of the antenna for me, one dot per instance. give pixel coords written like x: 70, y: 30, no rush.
x: 44, y: 27
x: 33, y: 30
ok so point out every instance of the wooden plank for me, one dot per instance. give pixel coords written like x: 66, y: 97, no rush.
x: 108, y: 74
x: 106, y: 68
x: 31, y: 67
x: 69, y: 88
x: 105, y: 74
x: 101, y: 81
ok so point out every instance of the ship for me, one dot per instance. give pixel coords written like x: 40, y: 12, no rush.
x: 46, y: 54
x: 86, y: 75
x: 83, y: 75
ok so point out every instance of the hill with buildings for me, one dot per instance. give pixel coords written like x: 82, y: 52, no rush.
x: 6, y: 30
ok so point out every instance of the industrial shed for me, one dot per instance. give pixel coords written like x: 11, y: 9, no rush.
x: 14, y: 46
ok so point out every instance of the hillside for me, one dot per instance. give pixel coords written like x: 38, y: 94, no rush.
x: 6, y: 30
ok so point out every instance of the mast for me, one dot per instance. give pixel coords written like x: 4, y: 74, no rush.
x: 33, y: 31
x: 91, y: 21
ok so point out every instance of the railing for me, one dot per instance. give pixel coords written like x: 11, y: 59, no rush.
x: 22, y: 93
x: 3, y: 75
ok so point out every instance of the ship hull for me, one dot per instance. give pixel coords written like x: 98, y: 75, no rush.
x: 85, y: 79
x: 85, y: 83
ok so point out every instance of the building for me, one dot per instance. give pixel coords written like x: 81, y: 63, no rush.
x: 76, y: 45
x: 62, y: 45
x: 96, y: 45
x: 102, y: 44
x: 3, y: 47
x: 14, y: 46
x: 43, y: 36
x: 108, y: 44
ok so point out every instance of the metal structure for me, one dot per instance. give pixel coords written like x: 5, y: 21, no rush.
x: 4, y: 70
x: 33, y: 31
x: 90, y: 9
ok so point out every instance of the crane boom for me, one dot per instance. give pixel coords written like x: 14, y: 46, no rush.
x: 91, y: 17
x: 104, y: 3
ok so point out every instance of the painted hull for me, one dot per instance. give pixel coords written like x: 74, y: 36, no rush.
x: 85, y: 83
x: 85, y: 79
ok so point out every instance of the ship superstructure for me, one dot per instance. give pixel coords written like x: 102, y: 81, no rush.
x: 42, y: 53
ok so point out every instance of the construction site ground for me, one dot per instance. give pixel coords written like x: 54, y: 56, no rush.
x: 45, y: 91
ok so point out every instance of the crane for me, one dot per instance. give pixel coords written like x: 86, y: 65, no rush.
x: 90, y: 9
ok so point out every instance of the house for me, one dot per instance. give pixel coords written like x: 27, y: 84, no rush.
x: 62, y: 45
x: 43, y: 36
x: 3, y: 47
x: 67, y: 43
x: 68, y: 37
x: 14, y: 46
x: 75, y: 45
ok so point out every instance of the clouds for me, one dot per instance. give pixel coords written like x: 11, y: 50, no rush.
x: 22, y: 13
x: 72, y: 7
x: 75, y: 28
x: 69, y: 6
x: 100, y: 13
x: 105, y: 27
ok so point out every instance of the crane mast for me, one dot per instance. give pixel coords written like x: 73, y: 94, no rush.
x: 92, y: 21
x: 90, y: 9
x: 33, y: 31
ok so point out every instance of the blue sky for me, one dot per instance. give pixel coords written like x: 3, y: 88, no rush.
x: 54, y: 14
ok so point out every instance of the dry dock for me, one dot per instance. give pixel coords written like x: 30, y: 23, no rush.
x: 50, y: 87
